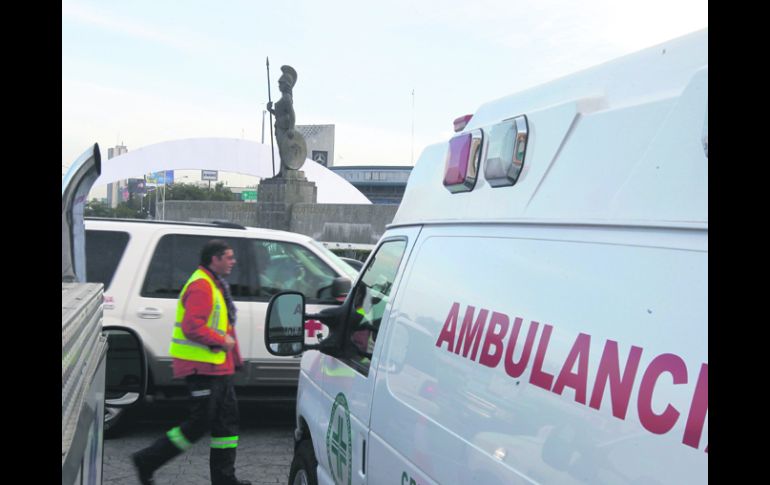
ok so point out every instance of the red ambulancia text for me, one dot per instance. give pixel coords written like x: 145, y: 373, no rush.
x: 491, y: 338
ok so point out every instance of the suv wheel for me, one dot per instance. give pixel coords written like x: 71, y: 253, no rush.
x: 114, y: 421
x: 303, y: 466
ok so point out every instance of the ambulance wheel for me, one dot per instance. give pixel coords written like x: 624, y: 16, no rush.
x: 303, y: 466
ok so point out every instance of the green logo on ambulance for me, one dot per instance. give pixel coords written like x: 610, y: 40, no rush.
x: 339, y: 445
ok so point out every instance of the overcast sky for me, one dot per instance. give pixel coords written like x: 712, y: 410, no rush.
x: 142, y: 72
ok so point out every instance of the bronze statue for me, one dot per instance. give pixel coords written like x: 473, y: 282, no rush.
x: 291, y: 144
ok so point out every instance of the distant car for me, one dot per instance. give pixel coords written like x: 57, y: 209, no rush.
x: 354, y: 263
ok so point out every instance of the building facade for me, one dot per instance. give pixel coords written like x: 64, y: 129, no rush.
x: 380, y: 184
x: 320, y: 143
x: 116, y: 191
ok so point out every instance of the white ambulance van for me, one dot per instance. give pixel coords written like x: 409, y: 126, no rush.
x: 537, y: 311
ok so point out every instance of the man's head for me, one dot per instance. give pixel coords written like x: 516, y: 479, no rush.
x: 218, y: 256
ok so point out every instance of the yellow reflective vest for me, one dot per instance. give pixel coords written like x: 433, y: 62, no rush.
x: 181, y: 346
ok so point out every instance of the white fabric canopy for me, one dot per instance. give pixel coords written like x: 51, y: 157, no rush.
x: 228, y: 155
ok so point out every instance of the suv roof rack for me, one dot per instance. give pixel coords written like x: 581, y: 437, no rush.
x: 228, y: 224
x: 222, y: 224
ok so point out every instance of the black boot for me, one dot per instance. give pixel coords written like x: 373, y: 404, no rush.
x: 149, y: 459
x: 222, y: 467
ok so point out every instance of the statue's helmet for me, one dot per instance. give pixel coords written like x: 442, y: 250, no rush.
x: 290, y: 74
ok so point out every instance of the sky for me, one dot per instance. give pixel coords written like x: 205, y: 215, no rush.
x: 143, y: 72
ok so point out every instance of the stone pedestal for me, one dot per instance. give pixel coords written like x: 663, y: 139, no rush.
x: 277, y: 195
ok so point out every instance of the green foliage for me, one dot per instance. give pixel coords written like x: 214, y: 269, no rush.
x: 141, y: 207
x: 124, y: 210
x: 218, y: 192
x: 97, y: 208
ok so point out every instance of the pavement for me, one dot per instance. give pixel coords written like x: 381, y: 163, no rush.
x: 265, y: 448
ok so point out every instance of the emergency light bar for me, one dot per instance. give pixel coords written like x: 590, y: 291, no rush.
x: 462, y: 161
x: 505, y: 155
x: 461, y: 122
x: 504, y: 158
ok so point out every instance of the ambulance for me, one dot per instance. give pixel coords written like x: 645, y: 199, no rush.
x: 537, y: 310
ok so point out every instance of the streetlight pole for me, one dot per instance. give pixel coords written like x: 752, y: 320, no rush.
x: 163, y: 211
x: 263, y: 126
x: 412, y: 127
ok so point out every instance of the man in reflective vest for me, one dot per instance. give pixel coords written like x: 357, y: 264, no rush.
x: 205, y: 353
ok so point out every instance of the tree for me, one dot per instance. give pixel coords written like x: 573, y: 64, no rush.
x: 97, y: 208
x: 222, y: 193
x: 181, y: 191
x: 124, y: 210
x: 193, y: 192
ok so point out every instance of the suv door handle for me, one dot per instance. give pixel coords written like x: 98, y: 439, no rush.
x: 149, y: 313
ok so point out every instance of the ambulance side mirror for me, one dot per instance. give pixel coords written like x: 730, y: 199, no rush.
x: 285, y: 324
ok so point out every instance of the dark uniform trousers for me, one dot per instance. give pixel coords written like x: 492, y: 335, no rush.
x: 214, y: 408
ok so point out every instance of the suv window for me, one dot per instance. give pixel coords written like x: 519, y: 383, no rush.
x: 370, y: 297
x: 283, y: 266
x: 104, y: 249
x: 175, y: 259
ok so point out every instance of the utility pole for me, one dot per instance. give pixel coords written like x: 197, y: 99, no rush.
x: 412, y: 126
x: 163, y: 211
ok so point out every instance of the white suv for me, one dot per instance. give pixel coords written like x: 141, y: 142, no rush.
x: 144, y: 264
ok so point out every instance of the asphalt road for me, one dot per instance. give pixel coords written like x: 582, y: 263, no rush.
x: 265, y: 448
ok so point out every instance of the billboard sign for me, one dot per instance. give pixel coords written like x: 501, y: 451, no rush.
x: 160, y: 178
x: 210, y: 175
x: 136, y: 186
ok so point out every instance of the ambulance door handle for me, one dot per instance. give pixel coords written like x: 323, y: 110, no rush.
x: 150, y: 313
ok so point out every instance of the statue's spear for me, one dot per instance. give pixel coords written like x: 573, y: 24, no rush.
x: 272, y: 150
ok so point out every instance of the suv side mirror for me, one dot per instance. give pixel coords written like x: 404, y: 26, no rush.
x: 285, y: 329
x: 126, y: 368
x: 341, y: 287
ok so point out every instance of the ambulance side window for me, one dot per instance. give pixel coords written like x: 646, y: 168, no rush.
x: 370, y: 297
